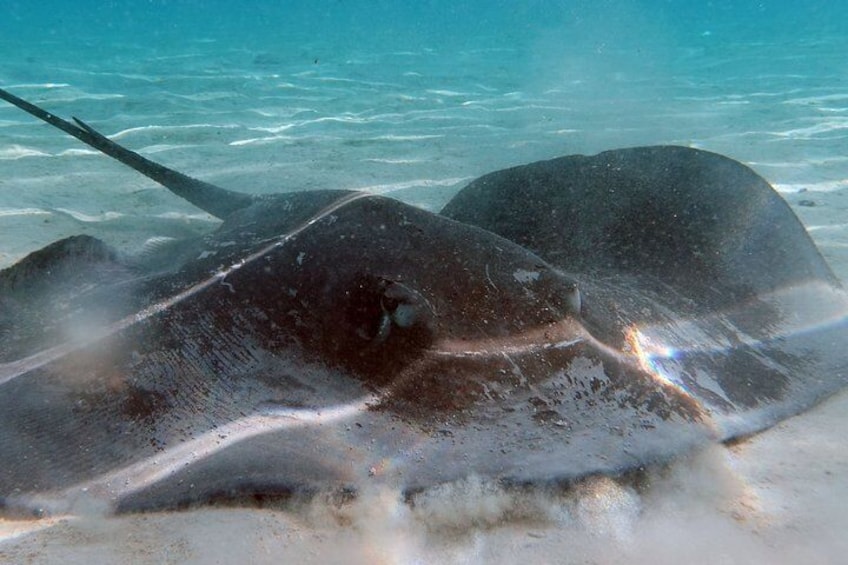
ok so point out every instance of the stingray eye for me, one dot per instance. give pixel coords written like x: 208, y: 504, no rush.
x: 381, y: 310
x: 383, y: 326
x: 406, y: 307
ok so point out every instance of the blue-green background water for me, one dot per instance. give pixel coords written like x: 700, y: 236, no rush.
x: 410, y: 99
x: 292, y: 95
x: 269, y: 96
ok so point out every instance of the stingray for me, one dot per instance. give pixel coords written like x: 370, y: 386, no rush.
x: 570, y: 317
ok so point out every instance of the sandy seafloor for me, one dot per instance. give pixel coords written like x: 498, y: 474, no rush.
x: 416, y: 111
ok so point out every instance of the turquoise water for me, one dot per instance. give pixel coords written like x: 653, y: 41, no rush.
x: 412, y: 101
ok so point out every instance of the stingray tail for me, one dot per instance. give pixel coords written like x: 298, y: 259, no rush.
x: 215, y: 200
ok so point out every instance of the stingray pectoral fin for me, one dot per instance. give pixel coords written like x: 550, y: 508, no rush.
x: 73, y: 256
x: 36, y: 291
x: 759, y: 363
x: 210, y: 198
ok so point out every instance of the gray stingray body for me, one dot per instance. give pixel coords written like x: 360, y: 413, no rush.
x: 727, y: 293
x: 536, y: 330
